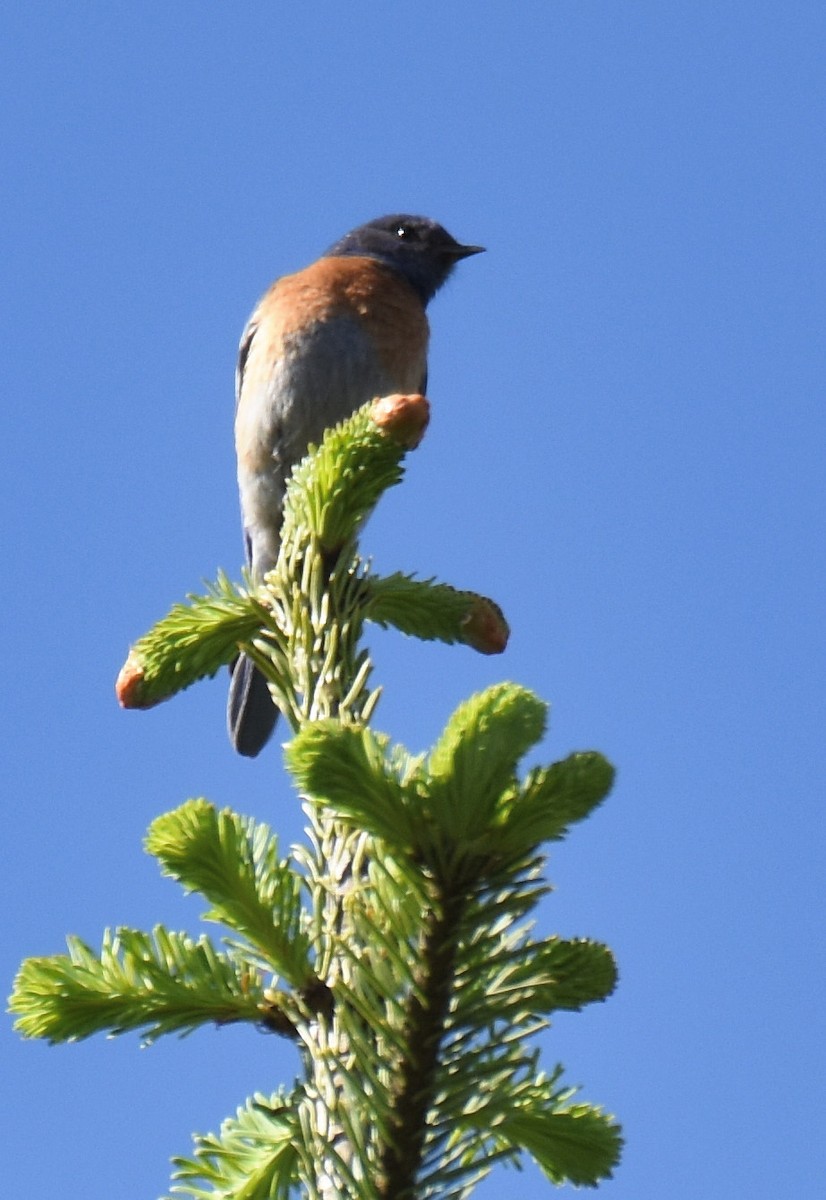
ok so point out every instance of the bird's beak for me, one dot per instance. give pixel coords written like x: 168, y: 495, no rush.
x: 458, y: 251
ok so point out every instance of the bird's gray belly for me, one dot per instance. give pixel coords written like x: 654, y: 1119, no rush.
x: 324, y: 375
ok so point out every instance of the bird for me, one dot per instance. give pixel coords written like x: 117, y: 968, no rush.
x: 322, y: 342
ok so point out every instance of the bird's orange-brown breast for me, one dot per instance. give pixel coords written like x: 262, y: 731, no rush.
x: 385, y: 305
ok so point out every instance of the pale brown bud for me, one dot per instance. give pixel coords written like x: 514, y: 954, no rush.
x: 403, y: 418
x: 485, y: 627
x: 129, y: 684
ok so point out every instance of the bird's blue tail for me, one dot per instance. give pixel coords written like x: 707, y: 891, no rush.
x: 251, y: 714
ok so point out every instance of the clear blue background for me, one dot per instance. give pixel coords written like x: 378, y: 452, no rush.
x: 626, y: 451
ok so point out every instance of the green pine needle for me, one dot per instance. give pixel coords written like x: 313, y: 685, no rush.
x: 434, y: 611
x: 159, y: 983
x: 578, y: 1145
x: 476, y: 757
x: 338, y: 484
x: 253, y: 1158
x: 552, y: 799
x: 192, y: 642
x: 234, y: 863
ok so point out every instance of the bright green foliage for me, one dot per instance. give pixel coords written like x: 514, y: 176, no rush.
x: 395, y: 949
x: 234, y: 863
x: 552, y: 799
x: 302, y: 627
x: 426, y: 610
x: 447, y: 894
x: 348, y: 768
x: 475, y: 759
x: 158, y: 983
x: 463, y: 800
x: 194, y: 641
x: 254, y: 1157
x: 337, y: 485
x: 571, y: 1143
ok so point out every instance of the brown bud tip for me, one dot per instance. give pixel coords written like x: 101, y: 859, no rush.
x: 403, y: 418
x: 129, y: 684
x: 485, y: 628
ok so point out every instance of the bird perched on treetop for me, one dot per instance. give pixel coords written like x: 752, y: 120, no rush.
x: 346, y: 329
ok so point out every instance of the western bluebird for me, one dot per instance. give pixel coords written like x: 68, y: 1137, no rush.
x: 321, y: 343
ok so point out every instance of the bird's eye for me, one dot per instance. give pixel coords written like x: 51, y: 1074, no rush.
x: 405, y: 233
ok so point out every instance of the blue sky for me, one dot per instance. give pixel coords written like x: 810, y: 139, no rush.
x: 626, y: 452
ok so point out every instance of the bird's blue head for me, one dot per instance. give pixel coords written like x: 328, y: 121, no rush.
x: 419, y: 249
